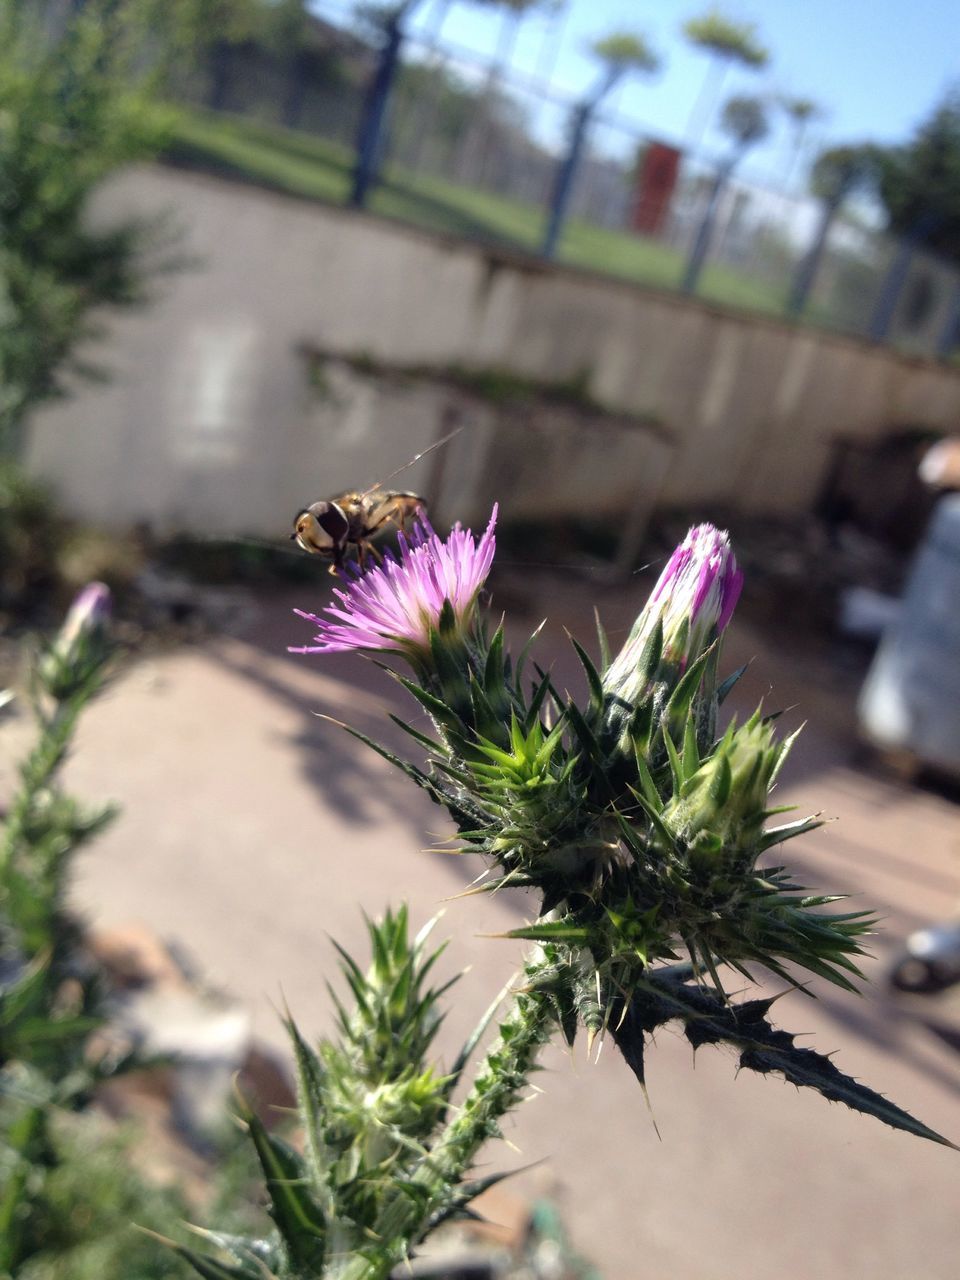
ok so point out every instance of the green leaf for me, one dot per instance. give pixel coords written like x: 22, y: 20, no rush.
x: 631, y: 839
x: 25, y: 991
x: 524, y: 654
x: 297, y: 1215
x: 721, y: 783
x: 250, y: 1250
x: 762, y: 1048
x: 436, y: 707
x: 36, y: 1031
x: 777, y: 835
x: 691, y: 752
x: 647, y: 784
x: 486, y: 720
x: 211, y: 1269
x: 650, y: 655
x: 725, y: 687
x: 593, y: 678
x: 309, y: 1073
x: 603, y: 643
x: 551, y: 931
x: 429, y: 744
x: 447, y: 621
x: 676, y: 768
x: 548, y: 746
x: 686, y: 687
x: 662, y: 830
x: 532, y: 712
x: 588, y: 742
x: 411, y: 770
x: 493, y: 666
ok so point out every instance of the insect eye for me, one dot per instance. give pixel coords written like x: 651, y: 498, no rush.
x: 332, y: 520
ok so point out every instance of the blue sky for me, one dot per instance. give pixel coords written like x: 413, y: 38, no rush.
x: 876, y: 66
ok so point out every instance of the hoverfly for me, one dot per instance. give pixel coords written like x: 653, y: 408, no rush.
x: 332, y: 526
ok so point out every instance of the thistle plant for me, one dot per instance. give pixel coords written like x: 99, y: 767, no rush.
x: 646, y: 834
x: 49, y: 998
x: 42, y: 831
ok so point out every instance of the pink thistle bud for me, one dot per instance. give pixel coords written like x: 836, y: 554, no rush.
x: 89, y: 616
x: 694, y: 600
x: 82, y: 645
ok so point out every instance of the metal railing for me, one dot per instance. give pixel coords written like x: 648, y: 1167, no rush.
x: 484, y: 150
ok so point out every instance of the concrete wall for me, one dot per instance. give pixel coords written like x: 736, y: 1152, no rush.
x: 210, y: 421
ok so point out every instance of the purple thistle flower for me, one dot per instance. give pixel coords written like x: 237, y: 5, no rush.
x: 395, y: 606
x: 694, y: 599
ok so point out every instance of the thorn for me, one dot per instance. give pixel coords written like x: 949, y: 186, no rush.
x: 653, y: 1118
x: 330, y: 719
x: 155, y: 1235
x: 472, y: 892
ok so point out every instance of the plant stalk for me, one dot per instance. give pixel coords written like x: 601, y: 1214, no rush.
x: 496, y: 1089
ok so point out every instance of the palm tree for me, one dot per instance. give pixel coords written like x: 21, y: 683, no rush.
x: 618, y: 54
x: 512, y: 14
x: 745, y: 122
x: 836, y: 175
x: 476, y: 146
x: 800, y: 112
x: 727, y: 42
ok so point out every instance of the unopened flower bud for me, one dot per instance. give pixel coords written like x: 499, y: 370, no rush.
x: 723, y: 805
x: 81, y: 645
x: 693, y: 601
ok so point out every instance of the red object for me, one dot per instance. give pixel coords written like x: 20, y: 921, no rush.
x: 656, y: 182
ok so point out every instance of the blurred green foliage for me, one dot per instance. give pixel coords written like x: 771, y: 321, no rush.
x: 84, y: 1199
x: 725, y: 38
x: 28, y: 535
x: 71, y: 1181
x: 920, y: 181
x: 76, y: 103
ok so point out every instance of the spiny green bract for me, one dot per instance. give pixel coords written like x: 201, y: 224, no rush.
x: 640, y: 828
x: 698, y: 863
x: 395, y: 1016
x: 371, y: 1178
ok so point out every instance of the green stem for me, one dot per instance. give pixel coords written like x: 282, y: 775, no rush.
x: 36, y: 773
x: 496, y: 1090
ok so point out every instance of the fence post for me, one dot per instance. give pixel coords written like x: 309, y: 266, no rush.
x: 583, y: 113
x: 702, y: 243
x: 950, y: 333
x: 896, y: 277
x: 810, y: 263
x: 890, y: 290
x: 563, y: 186
x: 375, y: 108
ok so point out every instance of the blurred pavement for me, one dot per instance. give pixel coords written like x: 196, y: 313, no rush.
x: 251, y: 830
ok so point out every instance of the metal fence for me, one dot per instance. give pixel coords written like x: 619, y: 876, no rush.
x: 468, y: 145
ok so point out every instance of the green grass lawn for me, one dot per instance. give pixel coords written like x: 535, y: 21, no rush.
x: 305, y: 165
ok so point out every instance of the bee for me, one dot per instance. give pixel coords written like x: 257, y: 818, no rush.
x: 332, y: 526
